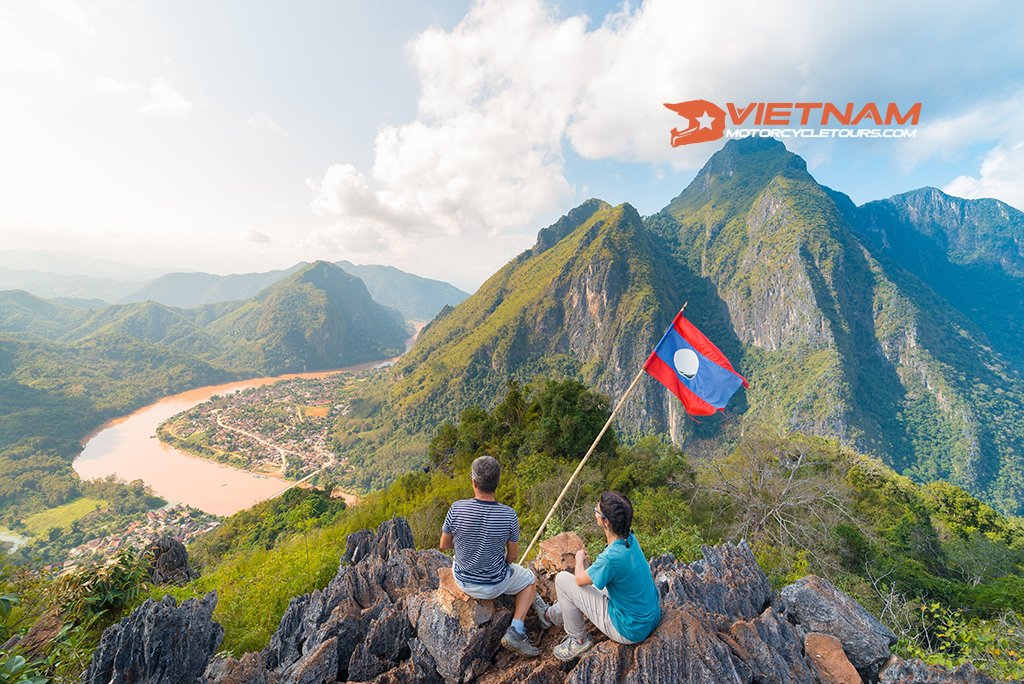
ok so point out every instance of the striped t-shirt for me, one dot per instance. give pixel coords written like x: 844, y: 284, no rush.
x: 480, y: 531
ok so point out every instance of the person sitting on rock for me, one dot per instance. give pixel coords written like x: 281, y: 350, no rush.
x: 616, y: 593
x: 485, y: 536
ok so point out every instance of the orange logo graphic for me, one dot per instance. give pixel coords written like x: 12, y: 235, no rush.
x: 705, y: 122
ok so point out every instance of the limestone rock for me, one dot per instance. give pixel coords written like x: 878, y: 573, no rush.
x: 558, y: 553
x: 159, y: 643
x: 826, y: 654
x: 727, y: 581
x: 248, y: 670
x: 169, y: 562
x: 318, y: 666
x: 462, y: 653
x: 681, y: 651
x: 470, y: 612
x: 771, y: 648
x: 818, y: 606
x: 386, y: 642
x: 916, y: 672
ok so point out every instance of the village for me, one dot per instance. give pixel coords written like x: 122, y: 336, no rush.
x: 281, y: 429
x: 177, y: 521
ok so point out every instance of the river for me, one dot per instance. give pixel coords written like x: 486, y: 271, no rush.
x: 128, y: 447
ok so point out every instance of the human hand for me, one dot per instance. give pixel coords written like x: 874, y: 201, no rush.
x: 581, y: 556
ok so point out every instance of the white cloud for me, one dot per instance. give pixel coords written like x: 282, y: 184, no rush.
x: 164, y: 100
x: 506, y: 90
x: 263, y: 121
x: 1001, y: 176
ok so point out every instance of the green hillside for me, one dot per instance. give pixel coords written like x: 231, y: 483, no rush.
x: 65, y: 368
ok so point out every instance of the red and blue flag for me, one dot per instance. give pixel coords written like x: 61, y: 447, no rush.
x: 693, y: 369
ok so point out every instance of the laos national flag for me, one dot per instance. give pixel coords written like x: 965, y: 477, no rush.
x: 693, y: 368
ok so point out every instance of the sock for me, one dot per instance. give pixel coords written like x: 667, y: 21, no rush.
x: 519, y: 626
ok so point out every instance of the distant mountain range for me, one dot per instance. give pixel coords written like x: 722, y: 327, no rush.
x: 318, y: 317
x: 893, y: 326
x: 418, y: 298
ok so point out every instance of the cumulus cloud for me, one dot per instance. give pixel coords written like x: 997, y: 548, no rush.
x: 1001, y: 176
x: 512, y: 87
x: 164, y: 100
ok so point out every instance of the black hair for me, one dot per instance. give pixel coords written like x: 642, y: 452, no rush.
x: 486, y: 474
x: 618, y: 511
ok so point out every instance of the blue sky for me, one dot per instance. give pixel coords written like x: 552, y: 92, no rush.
x: 243, y: 136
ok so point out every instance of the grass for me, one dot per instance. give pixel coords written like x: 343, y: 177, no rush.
x: 62, y: 516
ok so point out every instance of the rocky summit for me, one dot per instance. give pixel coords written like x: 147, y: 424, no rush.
x: 392, y: 615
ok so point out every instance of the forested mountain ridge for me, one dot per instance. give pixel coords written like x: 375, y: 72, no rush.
x: 836, y: 336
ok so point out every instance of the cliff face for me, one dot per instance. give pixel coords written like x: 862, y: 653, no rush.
x: 390, y: 616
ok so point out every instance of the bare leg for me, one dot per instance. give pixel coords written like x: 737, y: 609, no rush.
x: 524, y: 600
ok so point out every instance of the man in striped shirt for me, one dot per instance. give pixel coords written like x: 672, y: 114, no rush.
x: 485, y: 536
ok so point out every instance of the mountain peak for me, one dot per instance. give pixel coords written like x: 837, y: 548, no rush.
x: 548, y: 237
x: 740, y: 166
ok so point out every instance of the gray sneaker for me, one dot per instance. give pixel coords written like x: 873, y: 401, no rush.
x: 540, y: 606
x: 514, y: 641
x: 571, y: 649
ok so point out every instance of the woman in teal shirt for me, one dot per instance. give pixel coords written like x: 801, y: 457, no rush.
x: 616, y: 593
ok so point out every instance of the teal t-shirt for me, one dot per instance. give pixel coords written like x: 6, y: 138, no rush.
x: 633, y: 605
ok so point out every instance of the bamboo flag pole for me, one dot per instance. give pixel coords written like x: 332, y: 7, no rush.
x: 583, y: 462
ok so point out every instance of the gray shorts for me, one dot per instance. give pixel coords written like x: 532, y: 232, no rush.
x: 516, y: 579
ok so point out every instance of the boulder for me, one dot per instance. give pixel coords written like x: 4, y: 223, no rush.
x: 727, y: 581
x: 771, y: 648
x: 317, y: 666
x: 818, y: 606
x: 603, y: 664
x: 159, y: 643
x: 169, y: 562
x: 826, y: 653
x: 248, y: 670
x: 462, y: 650
x: 470, y: 612
x: 558, y: 553
x: 916, y: 672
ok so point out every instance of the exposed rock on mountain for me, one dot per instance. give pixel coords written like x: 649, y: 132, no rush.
x: 159, y: 643
x: 388, y: 618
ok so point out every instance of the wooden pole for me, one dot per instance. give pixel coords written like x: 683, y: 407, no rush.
x: 583, y: 462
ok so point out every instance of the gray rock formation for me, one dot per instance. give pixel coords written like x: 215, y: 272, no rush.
x: 916, y: 672
x: 391, y: 615
x: 159, y: 643
x: 818, y: 606
x: 169, y: 562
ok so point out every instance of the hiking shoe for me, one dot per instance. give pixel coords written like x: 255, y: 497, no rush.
x: 571, y: 649
x: 517, y: 641
x: 540, y: 606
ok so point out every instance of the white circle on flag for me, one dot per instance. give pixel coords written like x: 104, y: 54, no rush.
x: 686, y: 362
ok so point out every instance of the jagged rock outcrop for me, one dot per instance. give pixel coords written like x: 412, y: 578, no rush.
x: 393, y: 615
x: 916, y: 672
x: 727, y: 581
x: 159, y: 643
x: 819, y: 606
x: 169, y: 562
